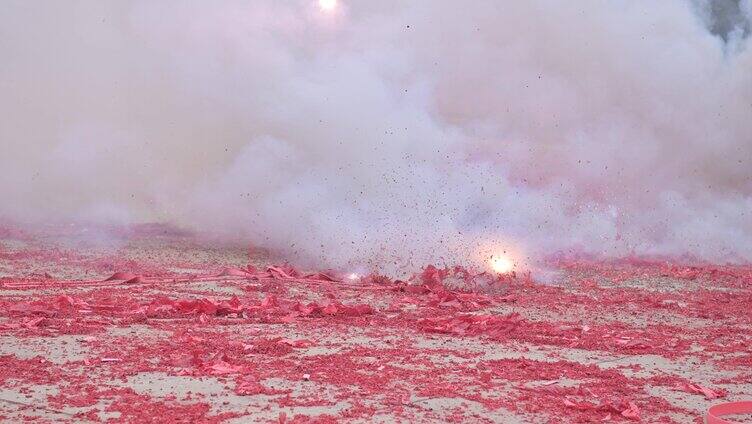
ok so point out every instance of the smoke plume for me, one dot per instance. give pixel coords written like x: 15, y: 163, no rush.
x: 387, y: 133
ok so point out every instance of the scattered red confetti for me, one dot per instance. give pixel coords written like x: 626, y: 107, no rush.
x: 405, y: 343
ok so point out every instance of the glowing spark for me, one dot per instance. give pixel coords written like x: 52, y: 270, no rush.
x: 501, y: 264
x: 352, y: 276
x: 328, y: 5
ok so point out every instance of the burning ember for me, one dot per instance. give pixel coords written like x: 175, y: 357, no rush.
x: 328, y: 5
x: 501, y: 264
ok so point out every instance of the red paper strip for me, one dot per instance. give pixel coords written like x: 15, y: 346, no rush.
x: 730, y: 408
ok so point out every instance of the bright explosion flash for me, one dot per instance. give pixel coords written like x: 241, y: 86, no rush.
x: 501, y: 264
x: 328, y: 5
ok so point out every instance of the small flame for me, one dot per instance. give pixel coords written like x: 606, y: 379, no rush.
x: 352, y: 276
x: 501, y: 264
x: 327, y: 5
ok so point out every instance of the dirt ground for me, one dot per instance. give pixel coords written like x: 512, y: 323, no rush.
x: 187, y: 332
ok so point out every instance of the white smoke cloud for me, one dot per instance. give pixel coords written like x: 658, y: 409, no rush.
x: 388, y: 134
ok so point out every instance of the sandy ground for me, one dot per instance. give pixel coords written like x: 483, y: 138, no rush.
x: 610, y: 343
